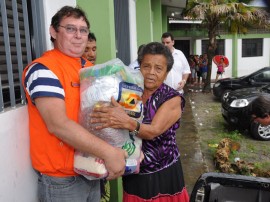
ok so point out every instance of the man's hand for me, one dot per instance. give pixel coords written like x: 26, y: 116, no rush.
x: 115, y: 163
x: 181, y: 84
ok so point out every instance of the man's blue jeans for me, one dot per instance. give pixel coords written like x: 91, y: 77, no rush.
x: 68, y: 189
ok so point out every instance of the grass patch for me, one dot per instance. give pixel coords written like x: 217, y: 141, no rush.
x: 233, y: 135
x: 262, y: 165
x: 212, y: 128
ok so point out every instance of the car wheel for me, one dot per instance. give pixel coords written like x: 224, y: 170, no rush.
x: 260, y: 132
x: 224, y: 95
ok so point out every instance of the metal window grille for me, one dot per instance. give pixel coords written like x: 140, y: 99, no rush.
x: 15, y: 51
x: 220, y: 46
x: 252, y: 47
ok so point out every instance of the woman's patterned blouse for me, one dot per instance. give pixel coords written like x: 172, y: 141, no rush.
x: 161, y: 151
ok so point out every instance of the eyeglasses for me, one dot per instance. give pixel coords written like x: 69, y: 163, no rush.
x: 70, y: 29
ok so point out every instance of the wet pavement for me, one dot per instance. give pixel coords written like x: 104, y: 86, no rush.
x: 189, y: 146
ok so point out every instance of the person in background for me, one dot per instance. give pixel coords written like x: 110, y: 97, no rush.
x: 197, y: 68
x: 199, y: 73
x: 192, y: 77
x: 90, y: 52
x: 179, y: 74
x: 51, y: 84
x: 161, y: 177
x: 220, y: 68
x: 135, y: 64
x: 204, y: 68
x: 259, y: 109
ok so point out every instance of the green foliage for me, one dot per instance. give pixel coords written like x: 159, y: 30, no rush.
x: 251, y: 147
x: 244, y: 1
x: 245, y: 171
x: 262, y: 165
x: 233, y: 135
x: 233, y: 155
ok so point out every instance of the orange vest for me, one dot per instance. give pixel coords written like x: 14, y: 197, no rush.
x: 49, y: 154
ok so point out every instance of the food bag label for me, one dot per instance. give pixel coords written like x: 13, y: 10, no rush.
x: 129, y: 97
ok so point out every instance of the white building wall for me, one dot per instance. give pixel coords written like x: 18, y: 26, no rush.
x: 198, y: 45
x: 50, y: 8
x: 247, y: 65
x: 18, y: 180
x: 228, y: 54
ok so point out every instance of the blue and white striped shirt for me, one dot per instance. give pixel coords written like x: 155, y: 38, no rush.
x: 42, y: 82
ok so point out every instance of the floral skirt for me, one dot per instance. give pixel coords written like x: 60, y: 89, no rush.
x: 166, y: 185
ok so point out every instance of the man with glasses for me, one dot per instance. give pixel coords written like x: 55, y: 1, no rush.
x: 51, y: 83
x: 260, y: 110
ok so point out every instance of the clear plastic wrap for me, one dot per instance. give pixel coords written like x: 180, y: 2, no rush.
x: 97, y: 85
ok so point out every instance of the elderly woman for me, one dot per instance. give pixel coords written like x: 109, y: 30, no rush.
x: 161, y: 177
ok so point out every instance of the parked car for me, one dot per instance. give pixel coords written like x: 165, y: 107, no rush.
x: 258, y: 78
x: 235, y: 111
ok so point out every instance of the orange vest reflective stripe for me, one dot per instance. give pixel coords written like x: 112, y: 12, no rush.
x: 49, y: 154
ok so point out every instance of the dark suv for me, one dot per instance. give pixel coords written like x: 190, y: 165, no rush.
x: 258, y: 78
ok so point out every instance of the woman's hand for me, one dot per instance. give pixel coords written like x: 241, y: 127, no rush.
x: 113, y: 116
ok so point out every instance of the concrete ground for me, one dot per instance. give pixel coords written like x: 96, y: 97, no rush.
x: 192, y: 159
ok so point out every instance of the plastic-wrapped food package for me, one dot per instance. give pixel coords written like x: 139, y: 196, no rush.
x: 97, y: 85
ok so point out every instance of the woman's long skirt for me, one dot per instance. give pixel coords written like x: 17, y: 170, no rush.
x: 166, y: 185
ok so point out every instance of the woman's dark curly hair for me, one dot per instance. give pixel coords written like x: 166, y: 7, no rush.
x: 156, y: 48
x: 68, y: 11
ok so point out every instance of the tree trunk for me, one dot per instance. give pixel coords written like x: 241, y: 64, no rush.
x: 210, y: 54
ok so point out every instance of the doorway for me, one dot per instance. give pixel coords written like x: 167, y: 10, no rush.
x: 183, y: 45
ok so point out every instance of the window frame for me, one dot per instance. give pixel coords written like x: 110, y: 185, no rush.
x: 252, y: 47
x: 220, y: 46
x: 22, y: 38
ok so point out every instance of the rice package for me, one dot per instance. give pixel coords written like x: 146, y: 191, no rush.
x: 97, y: 85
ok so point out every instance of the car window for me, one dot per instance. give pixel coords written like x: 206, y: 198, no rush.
x: 262, y: 77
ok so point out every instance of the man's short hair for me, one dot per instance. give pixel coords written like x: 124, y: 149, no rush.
x: 91, y: 37
x: 166, y: 35
x: 68, y: 11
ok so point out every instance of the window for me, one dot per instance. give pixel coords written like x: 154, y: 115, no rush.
x: 21, y: 40
x: 252, y: 47
x: 220, y: 46
x: 262, y: 76
x: 14, y: 54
